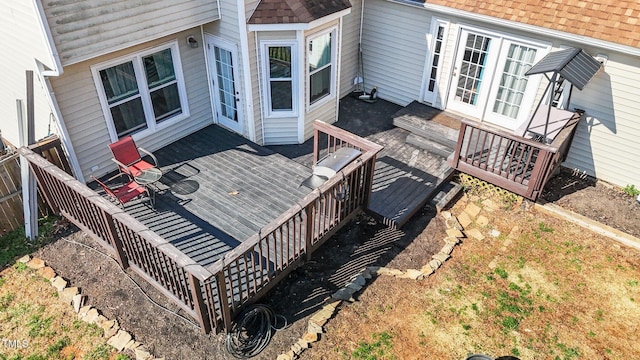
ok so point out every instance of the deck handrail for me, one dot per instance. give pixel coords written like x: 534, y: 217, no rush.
x: 553, y: 147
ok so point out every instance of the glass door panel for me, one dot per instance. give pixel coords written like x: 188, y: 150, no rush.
x: 226, y: 94
x: 472, y: 73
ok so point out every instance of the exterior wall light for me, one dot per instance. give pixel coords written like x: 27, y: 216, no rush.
x: 192, y: 42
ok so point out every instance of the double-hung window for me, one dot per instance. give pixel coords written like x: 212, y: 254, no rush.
x: 321, y: 55
x: 142, y: 91
x: 279, y: 78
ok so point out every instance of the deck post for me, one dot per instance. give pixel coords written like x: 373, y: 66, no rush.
x: 115, y: 240
x: 198, y: 303
x: 309, y: 226
x: 316, y: 140
x: 456, y: 153
x: 221, y: 284
x: 368, y: 180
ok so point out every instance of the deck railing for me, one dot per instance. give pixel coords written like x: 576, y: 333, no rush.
x: 512, y: 162
x: 252, y: 268
x: 130, y: 242
x: 215, y: 294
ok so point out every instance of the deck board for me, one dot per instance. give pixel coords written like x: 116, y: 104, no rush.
x: 217, y: 190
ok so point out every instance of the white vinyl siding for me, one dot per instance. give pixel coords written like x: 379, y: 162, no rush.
x: 606, y: 144
x: 350, y: 49
x: 19, y: 26
x: 78, y: 100
x: 86, y: 29
x: 394, y: 49
x: 326, y: 112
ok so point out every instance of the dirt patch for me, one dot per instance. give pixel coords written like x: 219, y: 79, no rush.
x: 594, y: 199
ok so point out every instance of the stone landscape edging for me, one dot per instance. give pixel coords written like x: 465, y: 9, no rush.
x: 116, y: 337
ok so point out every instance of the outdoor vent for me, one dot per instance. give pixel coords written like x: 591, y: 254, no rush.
x: 334, y: 162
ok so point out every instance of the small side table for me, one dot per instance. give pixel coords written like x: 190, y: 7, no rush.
x: 147, y: 178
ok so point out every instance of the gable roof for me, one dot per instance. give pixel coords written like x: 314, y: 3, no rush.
x: 614, y: 21
x: 295, y: 11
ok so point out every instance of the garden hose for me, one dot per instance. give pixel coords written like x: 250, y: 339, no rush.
x: 252, y: 331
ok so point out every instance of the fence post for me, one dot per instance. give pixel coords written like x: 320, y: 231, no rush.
x: 224, y: 300
x: 198, y: 303
x: 114, y: 239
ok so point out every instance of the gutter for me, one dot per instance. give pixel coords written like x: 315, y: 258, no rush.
x: 608, y: 45
x: 43, y: 75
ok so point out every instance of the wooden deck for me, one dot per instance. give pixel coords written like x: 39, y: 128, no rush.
x: 217, y: 190
x: 406, y: 176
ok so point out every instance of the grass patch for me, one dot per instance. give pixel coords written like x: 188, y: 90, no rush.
x: 631, y: 190
x: 14, y: 244
x: 53, y: 351
x: 501, y: 272
x: 379, y: 348
x: 100, y: 352
x: 39, y: 326
x: 47, y: 326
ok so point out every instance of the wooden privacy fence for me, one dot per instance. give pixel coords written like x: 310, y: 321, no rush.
x: 11, y: 212
x: 512, y: 162
x: 214, y: 295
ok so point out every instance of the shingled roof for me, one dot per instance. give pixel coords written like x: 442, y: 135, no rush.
x: 295, y: 11
x: 609, y: 20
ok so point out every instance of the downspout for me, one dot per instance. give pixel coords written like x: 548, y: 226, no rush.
x: 360, y: 55
x: 49, y: 94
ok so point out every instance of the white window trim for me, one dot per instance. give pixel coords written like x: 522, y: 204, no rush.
x: 136, y: 59
x: 332, y: 90
x: 266, y: 94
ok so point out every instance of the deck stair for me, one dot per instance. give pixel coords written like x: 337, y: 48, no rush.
x: 412, y: 170
x: 430, y: 128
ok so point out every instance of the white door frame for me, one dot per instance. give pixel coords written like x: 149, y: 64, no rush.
x: 211, y: 42
x: 435, y: 97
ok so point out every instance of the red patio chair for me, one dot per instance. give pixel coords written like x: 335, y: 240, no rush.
x: 124, y: 193
x: 127, y: 155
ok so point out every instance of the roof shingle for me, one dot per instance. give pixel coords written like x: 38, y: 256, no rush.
x: 295, y: 11
x: 614, y: 21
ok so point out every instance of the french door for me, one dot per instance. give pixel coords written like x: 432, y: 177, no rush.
x: 488, y: 81
x: 226, y: 94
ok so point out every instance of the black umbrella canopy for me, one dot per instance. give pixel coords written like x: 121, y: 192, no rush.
x: 573, y: 64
